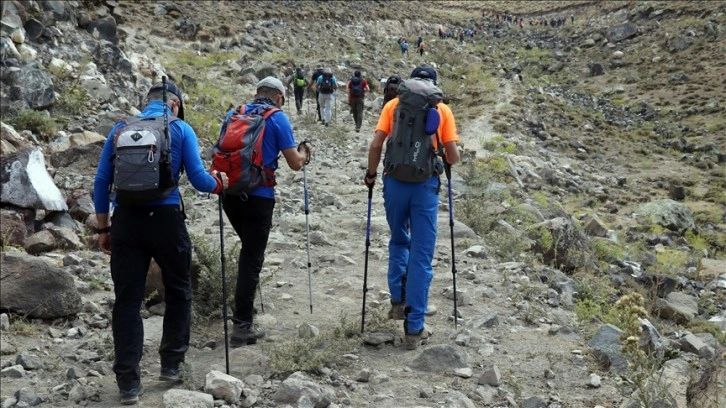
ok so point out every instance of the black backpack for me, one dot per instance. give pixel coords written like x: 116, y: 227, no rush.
x: 326, y: 85
x: 391, y: 89
x: 410, y: 154
x: 356, y: 86
x: 142, y: 161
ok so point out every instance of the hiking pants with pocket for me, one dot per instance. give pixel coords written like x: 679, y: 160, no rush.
x: 299, y: 93
x: 356, y: 106
x: 252, y: 220
x: 411, y: 211
x: 139, y: 234
x: 326, y: 106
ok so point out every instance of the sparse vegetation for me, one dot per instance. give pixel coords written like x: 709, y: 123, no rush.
x: 313, y: 354
x: 208, y: 292
x: 38, y: 122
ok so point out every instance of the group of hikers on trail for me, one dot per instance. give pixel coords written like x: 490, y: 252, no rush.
x: 141, y: 216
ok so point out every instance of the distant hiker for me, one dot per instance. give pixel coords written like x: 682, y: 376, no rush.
x: 404, y: 48
x: 572, y: 18
x: 251, y: 214
x: 390, y: 90
x: 419, y: 42
x: 148, y: 223
x: 411, y: 191
x: 461, y: 36
x: 299, y: 83
x: 421, y: 48
x: 326, y: 85
x: 357, y: 88
x: 317, y: 74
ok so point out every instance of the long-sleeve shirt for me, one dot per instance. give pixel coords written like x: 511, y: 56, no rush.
x: 184, y: 152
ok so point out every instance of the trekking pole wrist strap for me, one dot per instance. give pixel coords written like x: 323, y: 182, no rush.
x: 104, y: 230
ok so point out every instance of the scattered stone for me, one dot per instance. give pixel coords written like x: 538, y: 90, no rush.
x: 593, y: 381
x: 491, y: 376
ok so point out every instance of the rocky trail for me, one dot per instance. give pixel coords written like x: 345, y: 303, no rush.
x: 593, y: 164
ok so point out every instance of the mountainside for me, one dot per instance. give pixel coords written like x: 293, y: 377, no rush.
x: 589, y: 208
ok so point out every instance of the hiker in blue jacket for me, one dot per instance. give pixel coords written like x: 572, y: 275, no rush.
x: 157, y: 230
x: 251, y: 215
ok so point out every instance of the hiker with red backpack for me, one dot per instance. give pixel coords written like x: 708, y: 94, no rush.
x: 148, y: 223
x: 420, y: 135
x: 250, y: 198
x: 357, y: 88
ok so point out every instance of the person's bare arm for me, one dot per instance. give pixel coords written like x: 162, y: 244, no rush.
x: 375, y: 150
x: 295, y: 159
x: 452, y: 152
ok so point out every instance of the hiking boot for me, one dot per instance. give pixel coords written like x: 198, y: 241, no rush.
x: 170, y: 374
x: 131, y: 396
x: 412, y: 341
x: 397, y: 311
x: 245, y: 333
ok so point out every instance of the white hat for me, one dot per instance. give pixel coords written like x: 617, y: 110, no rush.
x: 271, y: 82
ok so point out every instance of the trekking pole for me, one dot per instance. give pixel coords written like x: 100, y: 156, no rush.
x: 365, y: 263
x: 307, y: 233
x: 447, y: 169
x: 224, y: 282
x: 259, y: 290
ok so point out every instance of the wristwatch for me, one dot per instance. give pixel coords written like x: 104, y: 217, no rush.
x: 103, y: 230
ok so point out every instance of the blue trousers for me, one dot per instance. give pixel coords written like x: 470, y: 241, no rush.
x: 411, y: 213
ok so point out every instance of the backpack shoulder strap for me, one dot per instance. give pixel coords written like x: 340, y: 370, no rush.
x: 268, y: 111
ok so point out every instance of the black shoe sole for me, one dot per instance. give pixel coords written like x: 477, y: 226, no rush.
x: 240, y: 343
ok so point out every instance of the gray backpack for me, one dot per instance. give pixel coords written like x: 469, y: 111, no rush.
x: 142, y: 161
x: 410, y: 154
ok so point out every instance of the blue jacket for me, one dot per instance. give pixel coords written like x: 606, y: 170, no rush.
x: 184, y: 151
x: 278, y: 137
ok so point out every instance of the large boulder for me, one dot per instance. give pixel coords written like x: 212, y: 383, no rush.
x: 29, y: 85
x: 27, y: 184
x: 621, y: 32
x: 34, y: 287
x: 668, y: 213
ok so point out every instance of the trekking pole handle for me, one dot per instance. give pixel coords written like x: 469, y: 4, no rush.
x: 447, y: 169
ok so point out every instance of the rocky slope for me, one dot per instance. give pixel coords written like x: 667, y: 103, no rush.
x: 593, y: 173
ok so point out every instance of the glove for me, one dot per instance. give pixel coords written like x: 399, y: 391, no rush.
x: 370, y: 179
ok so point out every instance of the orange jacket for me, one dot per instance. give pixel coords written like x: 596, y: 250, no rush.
x: 447, y: 126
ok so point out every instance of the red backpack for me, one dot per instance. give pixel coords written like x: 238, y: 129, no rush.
x: 238, y: 152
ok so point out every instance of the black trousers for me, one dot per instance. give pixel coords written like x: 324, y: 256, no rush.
x: 252, y: 220
x: 317, y: 104
x: 139, y: 234
x: 356, y: 107
x: 299, y: 93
